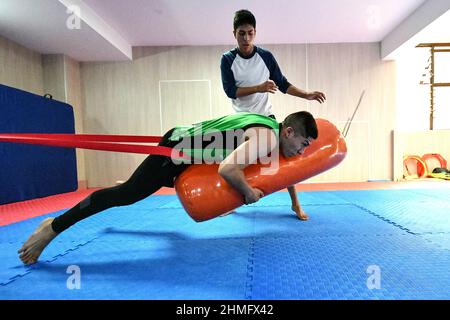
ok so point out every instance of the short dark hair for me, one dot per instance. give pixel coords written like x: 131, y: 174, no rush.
x: 242, y: 17
x: 303, y: 124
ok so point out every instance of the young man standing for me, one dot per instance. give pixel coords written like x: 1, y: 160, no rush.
x: 249, y: 73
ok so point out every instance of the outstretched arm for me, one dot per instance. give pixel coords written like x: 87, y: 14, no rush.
x: 285, y: 86
x: 315, y: 95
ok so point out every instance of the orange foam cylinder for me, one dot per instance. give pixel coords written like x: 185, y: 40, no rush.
x: 205, y: 195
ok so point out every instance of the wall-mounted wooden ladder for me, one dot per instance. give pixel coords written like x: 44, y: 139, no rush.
x: 434, y: 47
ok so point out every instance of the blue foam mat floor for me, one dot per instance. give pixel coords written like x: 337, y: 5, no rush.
x: 154, y: 250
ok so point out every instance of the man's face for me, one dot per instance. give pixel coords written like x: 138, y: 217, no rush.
x: 292, y: 144
x: 245, y: 35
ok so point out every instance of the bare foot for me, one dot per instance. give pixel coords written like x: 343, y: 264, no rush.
x: 36, y: 243
x: 300, y: 213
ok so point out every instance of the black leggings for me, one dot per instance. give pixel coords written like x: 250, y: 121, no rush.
x: 152, y: 174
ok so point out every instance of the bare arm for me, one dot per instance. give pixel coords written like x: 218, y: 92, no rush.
x: 315, y: 95
x: 234, y: 175
x: 268, y: 86
x: 231, y: 168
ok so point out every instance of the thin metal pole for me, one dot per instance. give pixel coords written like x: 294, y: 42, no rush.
x: 432, y: 89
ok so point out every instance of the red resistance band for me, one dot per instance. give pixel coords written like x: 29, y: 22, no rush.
x: 95, y: 142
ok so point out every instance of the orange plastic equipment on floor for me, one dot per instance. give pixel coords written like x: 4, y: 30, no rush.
x: 205, y: 195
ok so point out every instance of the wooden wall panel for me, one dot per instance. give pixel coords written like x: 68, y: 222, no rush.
x: 184, y: 102
x: 124, y: 98
x: 20, y: 67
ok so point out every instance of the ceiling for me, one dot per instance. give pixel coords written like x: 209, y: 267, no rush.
x: 210, y: 22
x: 110, y: 28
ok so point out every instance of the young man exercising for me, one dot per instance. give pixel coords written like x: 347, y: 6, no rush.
x: 260, y: 137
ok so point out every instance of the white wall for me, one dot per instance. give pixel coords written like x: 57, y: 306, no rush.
x: 412, y: 135
x: 413, y: 99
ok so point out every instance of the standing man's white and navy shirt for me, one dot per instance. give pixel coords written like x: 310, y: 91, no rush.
x: 239, y: 71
